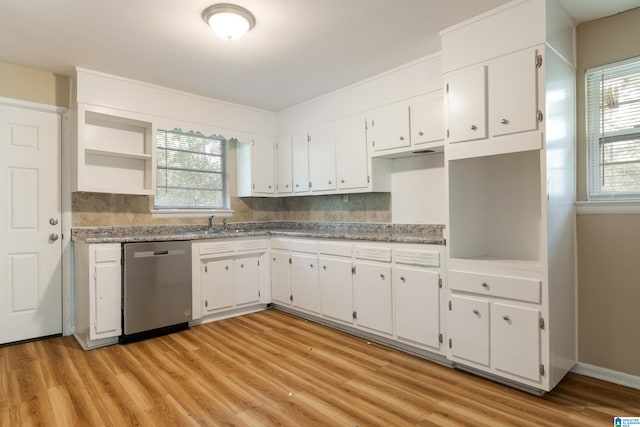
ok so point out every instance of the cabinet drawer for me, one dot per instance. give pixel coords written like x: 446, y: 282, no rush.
x: 216, y: 247
x: 304, y: 246
x: 517, y: 288
x: 110, y: 254
x: 334, y: 249
x: 251, y: 245
x: 279, y: 243
x: 372, y: 253
x: 416, y: 257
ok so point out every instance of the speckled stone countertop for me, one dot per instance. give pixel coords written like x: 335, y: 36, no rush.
x: 381, y: 232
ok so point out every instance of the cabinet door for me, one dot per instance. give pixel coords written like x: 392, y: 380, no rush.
x: 322, y: 159
x: 372, y: 289
x: 247, y: 281
x: 107, y: 317
x: 513, y: 93
x: 515, y: 340
x: 417, y: 305
x: 284, y: 165
x: 468, y: 329
x: 304, y: 282
x: 300, y: 157
x: 427, y: 120
x: 218, y: 285
x: 263, y: 165
x: 351, y: 153
x: 336, y: 290
x: 390, y: 127
x: 280, y: 291
x: 466, y: 103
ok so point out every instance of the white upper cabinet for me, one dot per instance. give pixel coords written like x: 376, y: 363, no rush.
x: 263, y: 165
x: 300, y: 158
x: 389, y: 127
x: 427, y: 119
x: 352, y: 165
x: 513, y: 93
x: 322, y: 158
x: 284, y: 162
x: 466, y: 92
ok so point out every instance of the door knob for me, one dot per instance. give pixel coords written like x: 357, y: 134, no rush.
x: 53, y: 237
x: 53, y: 221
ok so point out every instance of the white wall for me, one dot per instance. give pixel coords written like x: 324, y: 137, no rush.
x: 418, y: 192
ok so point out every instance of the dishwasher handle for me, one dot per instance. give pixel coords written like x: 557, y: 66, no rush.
x: 151, y: 254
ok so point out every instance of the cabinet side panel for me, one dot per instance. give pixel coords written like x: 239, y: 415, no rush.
x: 561, y: 185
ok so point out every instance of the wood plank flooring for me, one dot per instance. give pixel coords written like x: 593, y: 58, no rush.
x: 270, y: 368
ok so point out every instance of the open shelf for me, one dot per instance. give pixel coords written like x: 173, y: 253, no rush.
x: 495, y: 207
x: 114, y: 152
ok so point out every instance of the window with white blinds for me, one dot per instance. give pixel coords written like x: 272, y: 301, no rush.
x: 191, y: 171
x: 613, y: 130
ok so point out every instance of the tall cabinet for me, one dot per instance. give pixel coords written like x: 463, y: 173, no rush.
x: 509, y: 154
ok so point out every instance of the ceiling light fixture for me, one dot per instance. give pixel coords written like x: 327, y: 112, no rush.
x: 228, y: 21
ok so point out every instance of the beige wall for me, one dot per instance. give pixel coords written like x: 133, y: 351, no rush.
x: 608, y: 245
x: 32, y: 85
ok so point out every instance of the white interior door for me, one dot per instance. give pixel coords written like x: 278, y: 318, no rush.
x: 30, y: 228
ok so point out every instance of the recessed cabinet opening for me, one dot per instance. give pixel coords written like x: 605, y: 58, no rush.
x: 495, y: 207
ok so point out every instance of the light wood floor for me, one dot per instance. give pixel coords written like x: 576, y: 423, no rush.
x: 271, y: 368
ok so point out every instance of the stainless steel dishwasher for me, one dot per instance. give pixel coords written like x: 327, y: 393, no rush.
x: 156, y: 288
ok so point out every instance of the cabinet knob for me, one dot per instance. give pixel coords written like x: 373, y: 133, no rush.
x: 476, y: 312
x: 329, y: 182
x: 382, y: 276
x: 311, y: 265
x: 506, y: 318
x: 402, y: 279
x: 474, y: 127
x: 269, y: 187
x: 241, y: 265
x: 226, y: 267
x: 324, y: 267
x: 485, y: 285
x: 286, y: 185
x: 402, y: 138
x: 342, y: 181
x: 53, y: 237
x: 504, y: 121
x: 53, y: 221
x: 421, y: 133
x: 274, y: 259
x: 297, y: 185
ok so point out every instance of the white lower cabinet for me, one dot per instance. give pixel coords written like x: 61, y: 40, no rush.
x: 304, y: 282
x: 218, y: 285
x: 280, y: 289
x: 229, y: 275
x: 98, y: 290
x: 247, y: 278
x: 336, y: 289
x: 417, y: 306
x: 515, y: 340
x: 468, y: 329
x: 372, y: 290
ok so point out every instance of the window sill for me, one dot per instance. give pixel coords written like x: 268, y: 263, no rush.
x: 608, y: 208
x: 189, y: 213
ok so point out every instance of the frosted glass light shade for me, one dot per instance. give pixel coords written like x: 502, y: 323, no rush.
x: 228, y: 21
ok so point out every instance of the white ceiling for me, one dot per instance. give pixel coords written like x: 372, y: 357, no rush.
x: 299, y: 49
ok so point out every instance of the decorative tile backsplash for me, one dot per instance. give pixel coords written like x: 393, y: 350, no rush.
x: 101, y: 209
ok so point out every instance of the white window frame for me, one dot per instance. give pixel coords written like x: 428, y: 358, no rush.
x: 594, y: 113
x: 192, y: 211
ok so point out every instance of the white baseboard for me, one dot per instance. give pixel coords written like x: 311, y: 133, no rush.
x: 609, y: 375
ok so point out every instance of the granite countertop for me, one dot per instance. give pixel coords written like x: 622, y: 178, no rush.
x: 381, y: 232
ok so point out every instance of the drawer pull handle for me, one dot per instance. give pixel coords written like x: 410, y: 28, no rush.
x: 476, y: 312
x: 485, y: 285
x: 506, y: 318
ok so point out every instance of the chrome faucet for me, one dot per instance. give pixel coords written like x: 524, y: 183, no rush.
x: 211, y: 222
x: 224, y: 224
